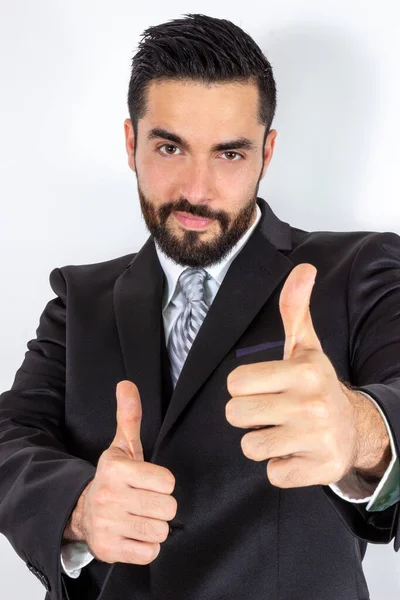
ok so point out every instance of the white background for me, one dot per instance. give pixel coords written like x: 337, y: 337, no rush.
x: 68, y: 196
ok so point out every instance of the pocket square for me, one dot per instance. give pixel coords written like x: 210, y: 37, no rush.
x: 258, y: 347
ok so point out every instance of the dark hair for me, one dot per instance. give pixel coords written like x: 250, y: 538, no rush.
x: 200, y: 48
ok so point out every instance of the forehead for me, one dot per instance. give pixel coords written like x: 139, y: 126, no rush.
x: 198, y: 110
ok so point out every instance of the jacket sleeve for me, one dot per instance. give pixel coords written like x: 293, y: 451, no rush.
x: 374, y: 354
x: 40, y: 482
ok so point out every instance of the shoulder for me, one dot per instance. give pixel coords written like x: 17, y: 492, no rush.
x: 347, y: 245
x: 97, y: 276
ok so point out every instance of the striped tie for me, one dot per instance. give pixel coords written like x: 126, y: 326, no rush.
x: 188, y: 322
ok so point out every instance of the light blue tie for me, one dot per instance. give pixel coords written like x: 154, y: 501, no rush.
x: 188, y: 322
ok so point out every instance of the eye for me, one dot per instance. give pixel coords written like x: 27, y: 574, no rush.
x: 168, y: 146
x: 237, y: 155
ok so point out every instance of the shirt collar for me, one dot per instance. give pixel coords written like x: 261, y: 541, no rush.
x: 218, y: 271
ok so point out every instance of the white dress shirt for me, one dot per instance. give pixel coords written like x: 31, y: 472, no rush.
x: 353, y: 488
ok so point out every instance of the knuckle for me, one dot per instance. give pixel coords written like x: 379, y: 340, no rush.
x: 233, y: 384
x: 171, y: 508
x: 273, y: 474
x: 130, y: 555
x: 150, y: 473
x: 108, y: 464
x: 259, y: 443
x: 155, y: 551
x: 258, y: 407
x: 150, y: 502
x: 147, y: 553
x: 228, y: 410
x: 163, y: 531
x: 310, y: 374
x: 170, y: 481
x: 136, y: 552
x: 318, y: 408
x: 247, y: 446
x: 141, y: 499
x: 151, y: 530
x: 100, y: 549
x: 103, y: 496
x: 260, y: 446
x: 244, y: 443
x: 141, y: 527
x: 142, y: 472
x: 292, y: 477
x: 231, y: 411
x: 157, y: 531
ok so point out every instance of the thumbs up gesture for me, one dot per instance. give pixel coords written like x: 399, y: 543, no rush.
x: 305, y: 419
x: 122, y: 514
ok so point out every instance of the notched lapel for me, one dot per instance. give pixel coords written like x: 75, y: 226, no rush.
x: 138, y: 310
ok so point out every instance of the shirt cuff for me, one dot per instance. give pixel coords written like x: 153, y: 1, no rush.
x: 354, y: 488
x: 75, y: 556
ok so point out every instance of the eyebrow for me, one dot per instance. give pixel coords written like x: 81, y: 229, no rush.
x: 236, y: 144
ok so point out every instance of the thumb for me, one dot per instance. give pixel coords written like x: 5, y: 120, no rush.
x: 129, y: 418
x: 294, y: 306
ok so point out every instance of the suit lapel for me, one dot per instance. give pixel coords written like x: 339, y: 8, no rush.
x: 138, y: 296
x: 251, y: 279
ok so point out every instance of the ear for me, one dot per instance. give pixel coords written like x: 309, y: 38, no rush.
x: 130, y: 143
x: 268, y: 150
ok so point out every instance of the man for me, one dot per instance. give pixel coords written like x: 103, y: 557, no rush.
x: 254, y: 451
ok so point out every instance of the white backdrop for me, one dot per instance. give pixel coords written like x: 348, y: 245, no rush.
x: 64, y: 77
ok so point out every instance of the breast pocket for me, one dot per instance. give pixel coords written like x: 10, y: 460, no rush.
x: 264, y: 351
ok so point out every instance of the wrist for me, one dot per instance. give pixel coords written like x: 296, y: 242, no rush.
x: 74, y: 529
x: 374, y: 453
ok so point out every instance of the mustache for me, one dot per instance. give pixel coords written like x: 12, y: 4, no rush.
x: 198, y: 210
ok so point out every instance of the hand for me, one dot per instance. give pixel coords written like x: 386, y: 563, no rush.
x: 122, y: 514
x: 307, y: 416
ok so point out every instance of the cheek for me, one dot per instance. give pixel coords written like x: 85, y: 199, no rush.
x: 238, y: 179
x: 157, y: 179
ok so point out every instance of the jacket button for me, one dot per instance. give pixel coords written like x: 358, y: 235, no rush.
x: 175, y: 526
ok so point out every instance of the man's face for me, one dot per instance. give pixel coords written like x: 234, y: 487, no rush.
x: 198, y: 159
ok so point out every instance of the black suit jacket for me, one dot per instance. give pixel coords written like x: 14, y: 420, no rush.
x: 235, y: 535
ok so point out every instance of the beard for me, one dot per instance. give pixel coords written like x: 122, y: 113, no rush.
x: 190, y: 249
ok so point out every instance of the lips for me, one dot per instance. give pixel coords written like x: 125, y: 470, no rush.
x: 190, y: 221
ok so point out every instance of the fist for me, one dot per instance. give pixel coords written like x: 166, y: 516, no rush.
x: 125, y: 509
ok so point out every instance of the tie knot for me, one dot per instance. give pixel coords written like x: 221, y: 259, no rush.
x: 192, y: 284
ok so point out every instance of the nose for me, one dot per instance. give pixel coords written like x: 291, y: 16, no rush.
x: 197, y: 182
